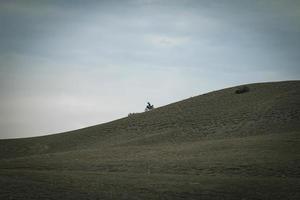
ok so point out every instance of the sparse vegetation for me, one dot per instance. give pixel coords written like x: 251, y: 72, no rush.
x: 242, y: 89
x: 131, y: 114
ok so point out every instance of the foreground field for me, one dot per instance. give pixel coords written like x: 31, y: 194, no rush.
x: 214, y: 146
x: 93, y: 185
x: 257, y: 167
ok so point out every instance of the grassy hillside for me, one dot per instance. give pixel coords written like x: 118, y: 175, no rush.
x: 219, y: 145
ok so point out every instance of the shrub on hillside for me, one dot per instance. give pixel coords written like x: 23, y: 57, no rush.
x: 130, y: 114
x: 242, y: 89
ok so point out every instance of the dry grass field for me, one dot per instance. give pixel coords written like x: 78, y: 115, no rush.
x: 220, y: 145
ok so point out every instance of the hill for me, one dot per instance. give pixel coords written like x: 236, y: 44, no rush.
x: 220, y: 145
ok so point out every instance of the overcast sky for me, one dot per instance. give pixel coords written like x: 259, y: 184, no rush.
x: 65, y: 65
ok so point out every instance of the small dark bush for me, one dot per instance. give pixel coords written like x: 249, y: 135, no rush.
x: 242, y: 89
x: 130, y: 114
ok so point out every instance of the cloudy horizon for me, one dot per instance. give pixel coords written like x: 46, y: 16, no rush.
x: 65, y: 66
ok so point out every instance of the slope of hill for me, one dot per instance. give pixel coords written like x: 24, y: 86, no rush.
x: 219, y: 145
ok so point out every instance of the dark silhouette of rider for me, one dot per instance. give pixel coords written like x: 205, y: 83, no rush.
x: 149, y: 106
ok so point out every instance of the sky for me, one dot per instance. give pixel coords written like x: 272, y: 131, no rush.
x: 69, y: 64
